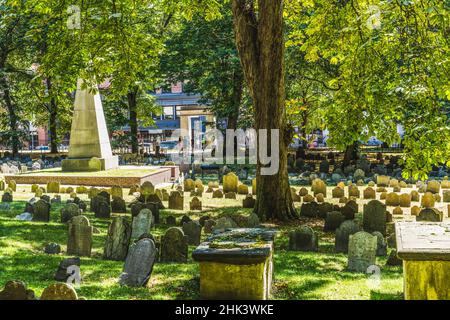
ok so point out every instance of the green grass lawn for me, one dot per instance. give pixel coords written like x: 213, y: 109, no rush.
x: 297, y: 275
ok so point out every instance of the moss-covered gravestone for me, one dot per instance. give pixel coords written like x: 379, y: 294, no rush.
x: 425, y: 251
x: 41, y: 211
x: 139, y: 263
x: 79, y: 241
x: 236, y: 265
x: 362, y: 249
x: 174, y: 246
x: 230, y: 183
x: 176, y: 201
x: 118, y: 239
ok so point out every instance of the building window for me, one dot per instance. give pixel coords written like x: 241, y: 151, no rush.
x: 169, y: 113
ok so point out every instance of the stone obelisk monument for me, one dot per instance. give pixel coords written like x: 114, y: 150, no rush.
x: 90, y: 148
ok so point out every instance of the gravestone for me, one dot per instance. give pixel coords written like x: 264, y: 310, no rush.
x: 253, y: 221
x: 303, y: 239
x: 242, y: 189
x: 63, y: 272
x: 188, y: 185
x: 52, y: 248
x: 333, y: 220
x: 79, y: 241
x: 174, y: 246
x: 249, y: 202
x: 392, y: 199
x: 230, y: 183
x: 434, y: 186
x: 318, y: 186
x: 369, y: 193
x: 116, y: 191
x: 230, y: 195
x: 415, y: 196
x: 209, y: 226
x: 381, y: 244
x: 16, y: 290
x: 41, y: 211
x: 176, y: 201
x: 309, y: 210
x: 195, y: 204
x: 118, y: 239
x: 12, y: 185
x: 217, y: 194
x: 362, y: 250
x: 353, y: 191
x: 118, y: 205
x: 382, y: 181
x: 7, y: 197
x: 69, y: 211
x: 428, y: 200
x: 430, y: 215
x: 224, y: 223
x: 142, y: 223
x: 337, y: 193
x: 139, y: 263
x: 192, y: 231
x: 59, y: 291
x: 343, y: 233
x: 374, y: 217
x: 404, y: 200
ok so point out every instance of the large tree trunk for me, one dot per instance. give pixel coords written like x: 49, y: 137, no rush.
x: 260, y: 44
x: 133, y: 123
x: 53, y: 118
x: 13, y: 119
x: 351, y: 154
x: 237, y: 99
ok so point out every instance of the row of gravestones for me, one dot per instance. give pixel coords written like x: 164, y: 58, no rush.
x: 17, y: 290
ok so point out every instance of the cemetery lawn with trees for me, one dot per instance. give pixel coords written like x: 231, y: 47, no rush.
x: 297, y: 275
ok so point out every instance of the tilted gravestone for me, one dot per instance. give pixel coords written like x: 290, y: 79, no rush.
x: 193, y: 232
x: 142, y: 223
x: 374, y: 217
x: 342, y: 236
x: 174, y: 246
x: 139, y: 263
x: 303, y: 239
x: 41, y: 211
x: 118, y: 239
x: 80, y: 237
x: 362, y: 250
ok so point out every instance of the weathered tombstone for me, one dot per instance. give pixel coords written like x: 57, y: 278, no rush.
x: 369, y: 193
x: 101, y: 207
x: 428, y: 200
x: 189, y: 185
x: 139, y: 263
x: 392, y: 199
x: 195, y: 204
x: 16, y: 290
x: 337, y: 193
x: 434, y: 186
x: 242, y: 189
x: 79, y: 237
x: 362, y: 250
x: 248, y: 202
x: 253, y: 221
x: 349, y: 210
x: 12, y: 185
x: 430, y: 215
x: 446, y: 196
x: 303, y: 239
x: 147, y: 189
x: 353, y: 191
x: 309, y: 210
x: 382, y: 181
x: 93, y: 192
x: 217, y: 194
x: 404, y: 200
x: 374, y: 217
x: 193, y: 231
x: 59, y: 291
x: 7, y: 197
x: 230, y: 195
x: 174, y: 246
x: 324, y: 208
x: 118, y: 239
x: 69, y: 211
x: 185, y: 219
x: 116, y: 191
x: 303, y: 192
x: 209, y: 226
x: 41, y: 211
x: 142, y: 223
x: 230, y: 183
x: 64, y: 268
x: 176, y: 201
x: 343, y: 233
x: 333, y: 220
x: 318, y: 186
x: 381, y: 244
x: 224, y: 223
x: 118, y: 205
x: 415, y: 196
